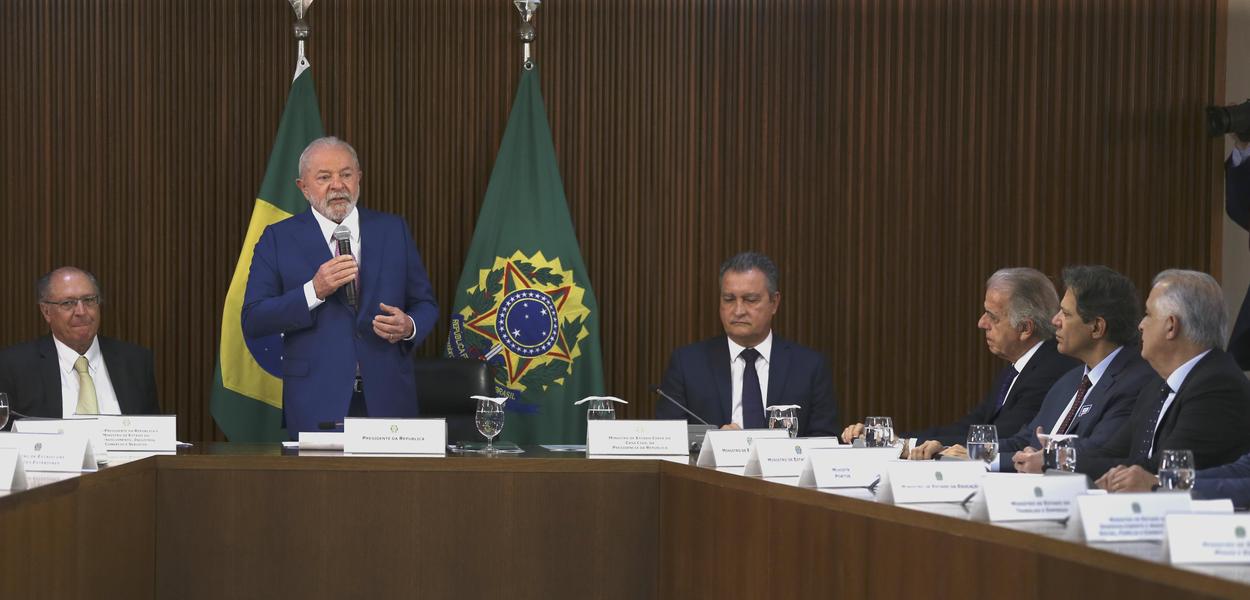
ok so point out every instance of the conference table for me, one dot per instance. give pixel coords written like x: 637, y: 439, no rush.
x: 226, y: 520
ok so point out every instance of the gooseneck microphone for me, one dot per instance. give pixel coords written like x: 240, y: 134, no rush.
x: 343, y: 237
x: 660, y: 391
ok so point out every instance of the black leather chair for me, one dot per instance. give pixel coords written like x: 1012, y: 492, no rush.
x: 443, y: 389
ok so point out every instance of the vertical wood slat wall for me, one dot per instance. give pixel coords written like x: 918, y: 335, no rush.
x: 888, y: 155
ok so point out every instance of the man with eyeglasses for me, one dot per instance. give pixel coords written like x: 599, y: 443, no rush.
x: 74, y: 370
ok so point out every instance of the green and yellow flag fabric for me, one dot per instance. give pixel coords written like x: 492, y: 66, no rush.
x: 247, y: 384
x: 524, y: 301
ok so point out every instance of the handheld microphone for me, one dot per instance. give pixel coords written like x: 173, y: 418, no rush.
x: 660, y: 391
x: 343, y: 237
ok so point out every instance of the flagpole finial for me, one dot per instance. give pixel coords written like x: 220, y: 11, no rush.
x: 301, y: 28
x: 526, y: 32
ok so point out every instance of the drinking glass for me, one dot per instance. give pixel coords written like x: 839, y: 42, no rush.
x: 784, y: 417
x: 600, y: 408
x: 1176, y: 470
x: 983, y: 443
x: 4, y: 410
x: 1059, y: 453
x: 878, y: 432
x: 489, y: 420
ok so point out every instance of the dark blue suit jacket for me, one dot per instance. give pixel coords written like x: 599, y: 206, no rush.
x: 1107, y: 406
x: 1021, y: 406
x: 1210, y: 415
x: 1230, y: 481
x: 1237, y: 203
x: 322, y: 347
x: 31, y: 375
x: 698, y: 376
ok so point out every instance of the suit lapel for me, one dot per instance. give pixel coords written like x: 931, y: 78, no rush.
x: 118, y: 376
x: 314, y: 248
x: 50, y: 376
x: 778, y: 364
x: 369, y: 269
x: 718, y: 365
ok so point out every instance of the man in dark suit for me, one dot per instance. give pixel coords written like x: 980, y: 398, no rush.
x: 1237, y: 203
x: 728, y: 380
x: 1199, y: 400
x: 348, y: 327
x: 1096, y: 324
x: 1019, y: 305
x: 74, y: 370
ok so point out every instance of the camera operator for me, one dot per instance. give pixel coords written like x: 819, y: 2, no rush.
x: 1237, y: 203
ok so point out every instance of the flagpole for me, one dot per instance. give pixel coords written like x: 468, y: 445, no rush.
x: 301, y: 31
x: 526, y: 32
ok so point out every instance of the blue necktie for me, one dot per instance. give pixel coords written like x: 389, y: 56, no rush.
x: 752, y: 397
x: 1005, y: 380
x: 1148, y: 435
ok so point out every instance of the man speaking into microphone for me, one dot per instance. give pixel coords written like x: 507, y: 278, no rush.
x: 346, y: 288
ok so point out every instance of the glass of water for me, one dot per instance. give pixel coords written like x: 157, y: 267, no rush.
x: 489, y: 420
x: 1059, y: 453
x: 4, y: 410
x: 1176, y: 470
x: 600, y: 409
x: 784, y: 417
x: 878, y: 432
x: 983, y: 443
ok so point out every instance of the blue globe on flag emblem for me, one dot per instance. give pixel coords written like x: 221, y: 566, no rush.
x: 528, y: 322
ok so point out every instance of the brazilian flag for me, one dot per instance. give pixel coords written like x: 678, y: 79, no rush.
x: 524, y: 301
x: 247, y: 384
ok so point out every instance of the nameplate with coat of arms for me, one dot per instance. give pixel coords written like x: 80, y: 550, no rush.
x: 1027, y: 497
x: 60, y: 452
x: 909, y: 481
x: 85, y: 426
x: 1208, y: 538
x: 732, y: 447
x: 140, y: 433
x: 1101, y: 517
x: 783, y: 457
x: 847, y: 467
x: 627, y: 437
x: 426, y: 437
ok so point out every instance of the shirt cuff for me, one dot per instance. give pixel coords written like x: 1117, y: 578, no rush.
x: 310, y: 296
x: 414, y: 328
x: 1238, y: 155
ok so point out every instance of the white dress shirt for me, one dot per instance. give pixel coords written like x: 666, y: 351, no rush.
x: 738, y: 366
x: 1175, y: 381
x: 1238, y: 155
x: 105, y: 397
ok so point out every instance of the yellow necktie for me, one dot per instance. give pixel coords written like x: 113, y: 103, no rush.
x: 86, y: 389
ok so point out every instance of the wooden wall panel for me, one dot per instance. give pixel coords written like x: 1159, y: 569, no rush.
x: 889, y: 156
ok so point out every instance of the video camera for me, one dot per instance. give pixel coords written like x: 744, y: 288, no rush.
x: 1233, y: 119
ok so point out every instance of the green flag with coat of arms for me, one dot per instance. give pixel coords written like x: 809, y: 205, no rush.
x: 524, y: 301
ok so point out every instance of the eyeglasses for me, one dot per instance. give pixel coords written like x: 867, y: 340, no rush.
x: 70, y: 304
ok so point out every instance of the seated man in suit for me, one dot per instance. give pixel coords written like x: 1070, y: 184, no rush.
x: 74, y: 370
x: 1019, y: 305
x: 1199, y: 399
x: 1096, y: 324
x: 728, y: 379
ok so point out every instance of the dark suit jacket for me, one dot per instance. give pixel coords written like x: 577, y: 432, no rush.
x: 698, y: 376
x: 1230, y: 481
x: 1237, y: 203
x: 321, y: 348
x: 1210, y: 415
x: 1108, y: 405
x: 30, y: 374
x: 1022, y: 404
